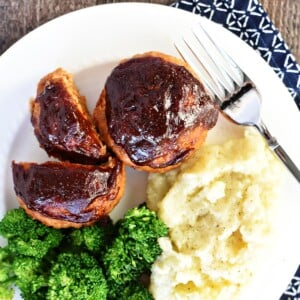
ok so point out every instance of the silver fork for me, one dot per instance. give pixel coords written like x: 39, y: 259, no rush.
x: 231, y: 88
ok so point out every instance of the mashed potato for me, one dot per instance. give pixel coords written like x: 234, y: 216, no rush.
x: 218, y: 206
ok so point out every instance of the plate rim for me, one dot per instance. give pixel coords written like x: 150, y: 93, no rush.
x: 6, y: 55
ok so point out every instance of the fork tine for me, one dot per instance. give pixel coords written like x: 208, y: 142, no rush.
x: 213, y: 60
x: 203, y: 59
x: 190, y: 57
x: 219, y: 73
x: 223, y: 59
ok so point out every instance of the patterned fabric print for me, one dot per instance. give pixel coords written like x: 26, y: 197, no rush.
x: 248, y: 20
x: 293, y: 290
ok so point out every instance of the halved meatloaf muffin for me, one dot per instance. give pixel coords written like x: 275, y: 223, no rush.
x: 64, y: 194
x: 62, y: 123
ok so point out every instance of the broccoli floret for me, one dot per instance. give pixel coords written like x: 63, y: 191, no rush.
x: 76, y: 276
x: 29, y: 247
x: 27, y: 236
x: 135, y: 248
x: 7, y: 275
x: 132, y: 290
x: 94, y: 238
x: 31, y: 276
x: 16, y: 223
x: 6, y: 291
x: 6, y: 265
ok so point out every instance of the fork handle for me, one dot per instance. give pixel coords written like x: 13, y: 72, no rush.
x: 278, y: 150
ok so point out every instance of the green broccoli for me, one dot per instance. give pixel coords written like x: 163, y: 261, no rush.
x: 7, y: 275
x: 29, y: 246
x: 27, y: 236
x: 6, y: 265
x: 135, y: 248
x: 132, y: 290
x: 76, y: 276
x: 103, y: 261
x: 31, y: 276
x: 6, y: 291
x: 94, y: 238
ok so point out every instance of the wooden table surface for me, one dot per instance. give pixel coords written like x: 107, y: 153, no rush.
x: 17, y: 17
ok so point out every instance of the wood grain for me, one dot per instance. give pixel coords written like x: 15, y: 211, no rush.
x: 286, y: 16
x: 18, y: 17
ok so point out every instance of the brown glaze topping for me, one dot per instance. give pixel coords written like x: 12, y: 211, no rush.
x: 65, y: 191
x: 63, y: 130
x: 150, y: 101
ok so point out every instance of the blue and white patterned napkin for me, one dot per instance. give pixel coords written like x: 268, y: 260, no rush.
x: 248, y: 20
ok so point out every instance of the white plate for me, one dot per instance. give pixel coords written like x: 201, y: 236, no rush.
x: 89, y: 43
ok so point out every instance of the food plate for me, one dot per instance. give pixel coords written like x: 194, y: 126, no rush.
x: 89, y: 43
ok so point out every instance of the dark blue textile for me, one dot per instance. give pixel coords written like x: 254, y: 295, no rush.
x: 293, y: 290
x: 248, y: 20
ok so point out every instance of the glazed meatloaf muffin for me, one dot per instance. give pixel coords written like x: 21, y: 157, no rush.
x: 64, y: 194
x: 62, y: 123
x: 153, y: 112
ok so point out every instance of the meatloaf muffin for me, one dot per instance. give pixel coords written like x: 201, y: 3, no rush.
x: 154, y: 112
